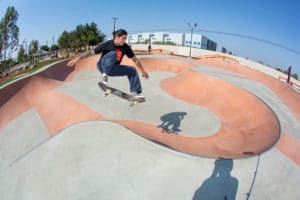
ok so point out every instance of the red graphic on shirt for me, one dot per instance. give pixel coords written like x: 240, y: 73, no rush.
x: 119, y: 55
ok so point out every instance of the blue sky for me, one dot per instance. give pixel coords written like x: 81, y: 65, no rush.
x: 274, y: 20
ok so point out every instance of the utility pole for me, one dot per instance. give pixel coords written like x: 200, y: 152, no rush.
x: 53, y: 40
x: 114, y: 20
x: 192, y: 31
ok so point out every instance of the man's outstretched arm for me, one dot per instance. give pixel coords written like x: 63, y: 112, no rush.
x: 74, y: 61
x: 139, y: 65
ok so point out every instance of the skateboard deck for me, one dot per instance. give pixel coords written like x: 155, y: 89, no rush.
x: 110, y: 90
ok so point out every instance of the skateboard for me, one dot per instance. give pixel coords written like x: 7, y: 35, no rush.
x: 110, y: 90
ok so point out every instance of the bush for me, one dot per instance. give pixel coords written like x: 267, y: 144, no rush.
x: 54, y: 47
x: 4, y: 65
x: 45, y: 48
x: 295, y: 76
x: 278, y: 69
x: 165, y: 43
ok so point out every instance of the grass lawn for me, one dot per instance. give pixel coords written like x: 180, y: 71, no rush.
x: 29, y: 71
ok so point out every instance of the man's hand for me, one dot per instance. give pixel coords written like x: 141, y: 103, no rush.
x: 145, y: 74
x: 139, y: 65
x: 73, y: 62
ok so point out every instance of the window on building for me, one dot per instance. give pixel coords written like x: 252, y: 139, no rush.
x: 198, y: 43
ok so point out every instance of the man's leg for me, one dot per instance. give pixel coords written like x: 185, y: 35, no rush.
x: 108, y: 61
x: 133, y: 76
x: 99, y: 66
x: 105, y: 64
x: 104, y: 78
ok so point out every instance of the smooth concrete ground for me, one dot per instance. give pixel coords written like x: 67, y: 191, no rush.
x: 85, y: 91
x: 104, y: 160
x: 93, y: 160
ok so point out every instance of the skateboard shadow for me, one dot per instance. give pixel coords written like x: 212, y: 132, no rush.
x: 171, y: 122
x: 220, y: 185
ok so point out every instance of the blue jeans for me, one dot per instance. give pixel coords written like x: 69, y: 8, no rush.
x: 107, y: 64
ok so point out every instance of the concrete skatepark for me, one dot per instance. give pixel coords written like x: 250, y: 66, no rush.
x: 232, y: 133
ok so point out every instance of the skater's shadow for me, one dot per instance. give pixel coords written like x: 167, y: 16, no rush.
x: 171, y: 122
x: 220, y: 185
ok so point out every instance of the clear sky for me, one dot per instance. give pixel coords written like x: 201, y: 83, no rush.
x: 274, y: 20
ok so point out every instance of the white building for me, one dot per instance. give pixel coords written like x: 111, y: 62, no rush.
x: 176, y: 38
x: 180, y: 39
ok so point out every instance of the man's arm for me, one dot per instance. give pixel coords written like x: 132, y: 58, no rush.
x: 139, y: 65
x: 86, y: 54
x: 74, y: 61
x: 96, y: 50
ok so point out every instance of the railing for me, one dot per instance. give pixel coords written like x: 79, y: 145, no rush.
x: 155, y: 51
x: 223, y: 57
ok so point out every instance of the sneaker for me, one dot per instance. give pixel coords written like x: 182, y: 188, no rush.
x: 137, y: 96
x: 104, y: 79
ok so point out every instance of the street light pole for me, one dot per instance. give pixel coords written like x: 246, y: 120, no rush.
x: 192, y: 31
x: 115, y: 19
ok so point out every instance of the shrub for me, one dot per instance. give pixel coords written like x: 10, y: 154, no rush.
x: 165, y: 43
x: 54, y: 47
x: 295, y: 76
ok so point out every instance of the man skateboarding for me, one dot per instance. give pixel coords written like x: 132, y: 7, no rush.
x: 109, y: 63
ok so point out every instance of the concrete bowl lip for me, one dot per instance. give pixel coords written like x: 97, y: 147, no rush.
x: 265, y: 103
x: 60, y: 132
x: 197, y: 65
x: 144, y: 139
x: 153, y: 142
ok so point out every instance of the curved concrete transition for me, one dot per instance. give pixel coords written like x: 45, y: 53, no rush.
x: 61, y: 138
x: 244, y: 126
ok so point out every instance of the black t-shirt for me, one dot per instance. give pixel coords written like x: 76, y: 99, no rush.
x: 109, y: 45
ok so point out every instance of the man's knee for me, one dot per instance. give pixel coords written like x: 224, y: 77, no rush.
x: 108, y: 61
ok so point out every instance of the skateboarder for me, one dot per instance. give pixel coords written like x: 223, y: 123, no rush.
x: 112, y: 55
x: 289, y: 72
x: 149, y: 48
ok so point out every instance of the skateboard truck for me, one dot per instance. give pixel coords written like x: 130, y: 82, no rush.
x: 107, y: 92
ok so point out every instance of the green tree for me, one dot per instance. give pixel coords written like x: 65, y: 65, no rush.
x: 54, y: 47
x: 33, y: 47
x: 64, y: 40
x: 45, y: 48
x: 75, y: 40
x: 21, y: 54
x: 95, y: 36
x: 9, y: 31
x: 85, y: 35
x: 295, y: 76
